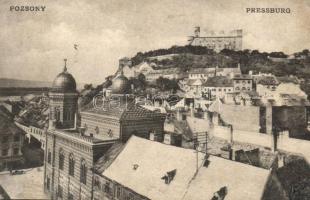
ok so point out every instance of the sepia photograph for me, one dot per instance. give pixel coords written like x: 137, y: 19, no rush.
x: 155, y: 99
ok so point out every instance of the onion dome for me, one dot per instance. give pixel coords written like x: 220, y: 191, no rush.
x: 120, y: 85
x: 64, y: 82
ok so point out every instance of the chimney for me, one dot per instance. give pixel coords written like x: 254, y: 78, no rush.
x: 197, y: 31
x: 168, y: 139
x: 269, y: 119
x: 179, y: 116
x: 274, y: 140
x: 205, y: 115
x: 52, y: 124
x: 155, y: 136
x: 231, y: 143
x: 192, y: 110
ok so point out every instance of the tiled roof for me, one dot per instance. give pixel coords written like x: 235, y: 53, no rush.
x: 267, y: 80
x: 294, y: 100
x: 7, y: 125
x: 218, y: 81
x: 287, y: 79
x: 124, y: 111
x: 202, y: 70
x: 194, y: 82
x: 242, y: 76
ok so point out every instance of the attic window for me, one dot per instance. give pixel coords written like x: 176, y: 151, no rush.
x: 97, y: 130
x: 169, y: 176
x: 220, y: 194
x: 110, y: 133
x: 135, y: 166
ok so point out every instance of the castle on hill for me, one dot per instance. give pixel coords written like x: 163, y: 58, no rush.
x: 217, y: 41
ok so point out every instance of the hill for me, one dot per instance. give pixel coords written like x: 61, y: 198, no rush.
x: 10, y: 83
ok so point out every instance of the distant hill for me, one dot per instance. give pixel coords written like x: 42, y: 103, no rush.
x: 8, y: 83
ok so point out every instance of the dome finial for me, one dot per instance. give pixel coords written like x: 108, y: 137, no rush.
x: 65, y: 67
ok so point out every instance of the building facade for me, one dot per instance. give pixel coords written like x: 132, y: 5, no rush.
x: 217, y: 41
x: 243, y: 83
x: 71, y: 150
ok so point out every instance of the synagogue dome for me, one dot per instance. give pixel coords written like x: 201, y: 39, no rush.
x: 64, y: 82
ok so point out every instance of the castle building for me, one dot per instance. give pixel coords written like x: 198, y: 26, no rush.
x: 218, y: 41
x: 71, y: 150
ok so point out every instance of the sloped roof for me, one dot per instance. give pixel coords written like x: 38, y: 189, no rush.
x: 155, y: 159
x: 242, y: 181
x: 130, y: 111
x: 197, y: 125
x: 194, y: 82
x: 7, y: 125
x: 242, y: 77
x: 294, y: 100
x: 288, y: 79
x: 216, y: 106
x: 107, y: 159
x: 218, y: 81
x: 202, y: 70
x: 267, y: 80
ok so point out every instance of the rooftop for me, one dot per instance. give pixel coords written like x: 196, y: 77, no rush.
x: 24, y: 186
x: 242, y: 181
x: 267, y: 80
x: 202, y: 70
x: 153, y: 161
x: 288, y: 79
x: 7, y: 125
x: 124, y: 111
x: 194, y: 82
x: 242, y: 77
x: 218, y: 81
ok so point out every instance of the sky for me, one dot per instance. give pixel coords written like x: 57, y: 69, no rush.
x: 34, y: 44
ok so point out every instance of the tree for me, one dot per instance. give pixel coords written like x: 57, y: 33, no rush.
x: 88, y: 86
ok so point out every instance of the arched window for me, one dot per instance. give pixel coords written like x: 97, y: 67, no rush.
x: 71, y: 165
x: 83, y: 173
x: 49, y: 156
x: 61, y: 159
x: 57, y: 114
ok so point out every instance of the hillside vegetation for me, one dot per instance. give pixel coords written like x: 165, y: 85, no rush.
x: 187, y: 57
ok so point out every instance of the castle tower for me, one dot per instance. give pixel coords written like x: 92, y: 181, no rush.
x: 63, y: 101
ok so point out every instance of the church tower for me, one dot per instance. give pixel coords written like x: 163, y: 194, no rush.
x: 63, y: 101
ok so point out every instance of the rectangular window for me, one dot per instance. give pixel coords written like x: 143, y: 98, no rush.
x: 60, y: 191
x: 5, y: 139
x: 5, y: 152
x: 61, y: 161
x: 16, y: 138
x: 48, y: 183
x: 49, y: 157
x: 118, y: 192
x: 107, y: 187
x: 16, y: 151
